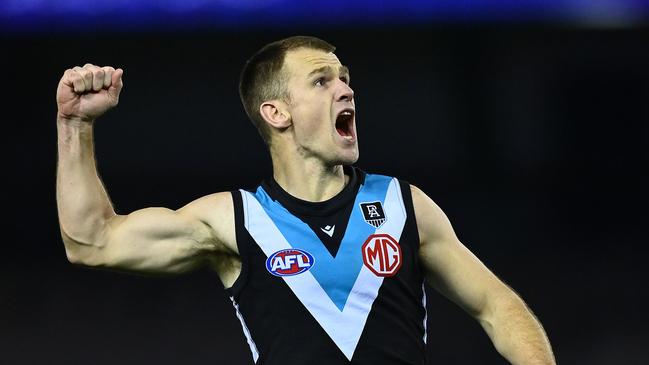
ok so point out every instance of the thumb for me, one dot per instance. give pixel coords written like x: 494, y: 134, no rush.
x: 116, y: 85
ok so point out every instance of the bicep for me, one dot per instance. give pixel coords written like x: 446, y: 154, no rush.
x: 449, y: 266
x: 156, y: 240
x: 151, y: 240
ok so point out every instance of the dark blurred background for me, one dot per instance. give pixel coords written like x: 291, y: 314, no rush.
x: 528, y: 125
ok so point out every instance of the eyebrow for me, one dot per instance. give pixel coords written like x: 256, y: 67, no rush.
x: 343, y: 70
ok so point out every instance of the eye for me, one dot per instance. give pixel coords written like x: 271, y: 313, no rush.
x: 319, y: 82
x: 345, y: 80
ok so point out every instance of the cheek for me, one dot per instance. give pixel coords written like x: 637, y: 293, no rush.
x: 313, y: 120
x: 312, y: 130
x: 311, y: 117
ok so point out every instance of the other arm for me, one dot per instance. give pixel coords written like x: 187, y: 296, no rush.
x: 458, y: 274
x: 153, y: 240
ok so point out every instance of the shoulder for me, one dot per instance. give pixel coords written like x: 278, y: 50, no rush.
x: 216, y: 211
x: 422, y: 201
x: 418, y: 195
x: 208, y: 204
x: 432, y: 222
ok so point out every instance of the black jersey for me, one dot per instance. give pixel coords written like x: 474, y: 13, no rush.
x: 334, y: 282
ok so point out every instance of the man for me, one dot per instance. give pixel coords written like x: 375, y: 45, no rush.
x: 324, y: 263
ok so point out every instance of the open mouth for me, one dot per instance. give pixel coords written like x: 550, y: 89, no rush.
x: 345, y: 123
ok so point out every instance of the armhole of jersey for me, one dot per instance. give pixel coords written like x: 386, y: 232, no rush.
x: 240, y: 234
x: 406, y: 195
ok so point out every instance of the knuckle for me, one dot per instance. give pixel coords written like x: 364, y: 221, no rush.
x: 75, y: 76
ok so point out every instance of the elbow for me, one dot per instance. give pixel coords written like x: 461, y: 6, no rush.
x: 71, y: 248
x: 72, y: 257
x: 81, y: 254
x: 88, y: 259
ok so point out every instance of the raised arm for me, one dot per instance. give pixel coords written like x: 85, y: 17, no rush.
x: 153, y: 240
x: 458, y: 274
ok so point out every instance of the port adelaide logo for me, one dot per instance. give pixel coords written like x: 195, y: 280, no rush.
x: 382, y: 255
x: 373, y: 213
x: 289, y: 262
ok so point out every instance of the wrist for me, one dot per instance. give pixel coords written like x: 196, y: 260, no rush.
x: 73, y: 121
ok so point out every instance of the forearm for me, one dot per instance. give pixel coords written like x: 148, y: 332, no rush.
x: 83, y: 203
x: 516, y: 332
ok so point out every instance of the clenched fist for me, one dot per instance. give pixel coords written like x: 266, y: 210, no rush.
x: 87, y: 92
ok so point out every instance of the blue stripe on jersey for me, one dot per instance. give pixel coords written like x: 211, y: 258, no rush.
x: 336, y: 275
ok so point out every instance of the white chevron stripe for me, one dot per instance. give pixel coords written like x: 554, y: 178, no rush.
x: 344, y: 328
x: 246, y: 332
x: 423, y: 303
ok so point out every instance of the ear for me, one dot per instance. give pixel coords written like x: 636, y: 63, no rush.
x: 275, y: 113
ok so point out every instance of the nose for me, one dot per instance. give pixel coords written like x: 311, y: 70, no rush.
x: 344, y: 92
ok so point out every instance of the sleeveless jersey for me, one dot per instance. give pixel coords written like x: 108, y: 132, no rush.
x: 334, y: 282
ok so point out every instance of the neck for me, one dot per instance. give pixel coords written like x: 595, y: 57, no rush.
x: 308, y: 179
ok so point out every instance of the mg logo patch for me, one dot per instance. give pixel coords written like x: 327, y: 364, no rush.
x: 382, y: 254
x: 373, y: 213
x: 289, y: 262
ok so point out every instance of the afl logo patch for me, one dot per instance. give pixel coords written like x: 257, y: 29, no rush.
x: 289, y: 262
x: 373, y: 213
x: 382, y: 254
